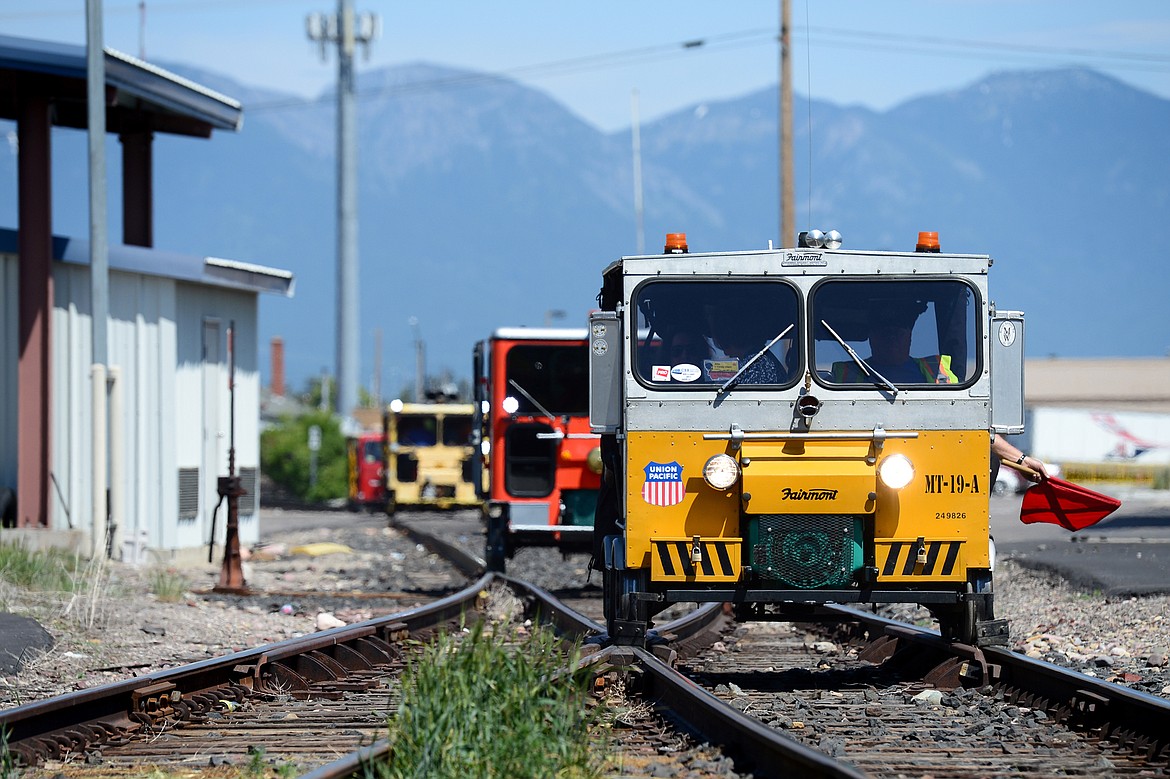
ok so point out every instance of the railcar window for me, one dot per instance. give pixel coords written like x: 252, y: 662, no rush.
x: 456, y: 430
x: 692, y: 334
x: 552, y: 378
x: 417, y: 430
x: 372, y: 451
x: 902, y: 332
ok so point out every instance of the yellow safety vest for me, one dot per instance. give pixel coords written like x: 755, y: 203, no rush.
x: 936, y: 369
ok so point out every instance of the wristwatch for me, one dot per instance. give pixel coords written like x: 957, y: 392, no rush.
x: 1022, y: 458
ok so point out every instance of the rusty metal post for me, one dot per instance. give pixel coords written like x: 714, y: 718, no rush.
x: 231, y: 573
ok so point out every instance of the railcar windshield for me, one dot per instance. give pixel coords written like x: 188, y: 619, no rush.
x: 457, y: 430
x: 692, y: 334
x: 548, y: 378
x: 417, y: 430
x: 895, y: 333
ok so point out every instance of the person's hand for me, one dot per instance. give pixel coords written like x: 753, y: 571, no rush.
x: 1040, y: 473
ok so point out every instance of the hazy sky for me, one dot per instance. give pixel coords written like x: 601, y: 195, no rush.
x: 592, y: 55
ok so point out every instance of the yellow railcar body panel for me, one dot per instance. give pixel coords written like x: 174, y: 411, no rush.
x: 808, y: 477
x: 913, y: 560
x: 666, y: 497
x: 688, y: 560
x: 946, y: 501
x: 945, y: 506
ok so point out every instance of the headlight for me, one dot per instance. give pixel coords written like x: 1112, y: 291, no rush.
x: 721, y: 471
x: 895, y: 471
x: 510, y: 405
x: 396, y: 405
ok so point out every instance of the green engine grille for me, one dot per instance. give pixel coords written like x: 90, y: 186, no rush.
x: 806, y: 551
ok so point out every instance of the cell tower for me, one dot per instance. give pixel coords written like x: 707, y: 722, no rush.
x: 345, y: 30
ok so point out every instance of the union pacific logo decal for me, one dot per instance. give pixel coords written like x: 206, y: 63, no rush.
x: 664, y: 484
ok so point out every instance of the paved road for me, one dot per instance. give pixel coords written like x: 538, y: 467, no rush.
x: 1127, y: 553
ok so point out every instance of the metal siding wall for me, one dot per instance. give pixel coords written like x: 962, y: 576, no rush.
x: 155, y: 331
x: 9, y: 356
x: 165, y: 384
x: 72, y: 435
x: 139, y: 308
x: 194, y: 305
x: 186, y: 415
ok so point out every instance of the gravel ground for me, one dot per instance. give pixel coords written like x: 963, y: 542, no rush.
x: 131, y: 632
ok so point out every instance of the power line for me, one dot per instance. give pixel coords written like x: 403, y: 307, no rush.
x: 823, y: 36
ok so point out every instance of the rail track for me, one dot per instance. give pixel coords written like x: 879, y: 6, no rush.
x: 846, y: 693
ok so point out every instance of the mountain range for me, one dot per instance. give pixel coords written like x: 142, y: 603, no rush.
x: 485, y: 203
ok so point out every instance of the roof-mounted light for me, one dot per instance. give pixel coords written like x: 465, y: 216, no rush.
x: 928, y: 242
x: 815, y: 239
x: 396, y: 405
x: 676, y: 243
x: 811, y: 239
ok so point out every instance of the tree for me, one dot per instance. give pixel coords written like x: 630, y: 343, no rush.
x: 285, y: 457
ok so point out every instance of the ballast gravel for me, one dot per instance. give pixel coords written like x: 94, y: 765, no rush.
x: 120, y: 630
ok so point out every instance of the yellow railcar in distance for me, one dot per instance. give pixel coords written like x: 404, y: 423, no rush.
x: 429, y: 456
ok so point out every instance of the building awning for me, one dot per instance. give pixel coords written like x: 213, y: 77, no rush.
x: 133, y: 87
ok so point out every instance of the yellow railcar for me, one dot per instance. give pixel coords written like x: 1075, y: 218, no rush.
x: 824, y: 436
x: 429, y: 456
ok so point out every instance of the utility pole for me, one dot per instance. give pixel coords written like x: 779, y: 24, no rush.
x: 636, y: 132
x: 787, y: 187
x: 346, y: 31
x: 420, y: 362
x: 99, y: 270
x: 376, y: 379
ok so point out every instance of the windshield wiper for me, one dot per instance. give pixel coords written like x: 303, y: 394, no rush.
x: 875, y: 377
x: 735, y: 379
x: 531, y: 399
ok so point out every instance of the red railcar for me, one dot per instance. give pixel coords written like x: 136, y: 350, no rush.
x: 366, y: 455
x: 532, y: 422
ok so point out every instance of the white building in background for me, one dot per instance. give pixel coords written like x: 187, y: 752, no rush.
x: 1099, y: 411
x: 169, y: 316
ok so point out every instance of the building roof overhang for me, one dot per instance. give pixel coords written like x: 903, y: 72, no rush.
x: 211, y: 271
x: 134, y: 89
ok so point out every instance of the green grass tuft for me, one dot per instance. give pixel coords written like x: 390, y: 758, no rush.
x: 47, y: 570
x: 167, y: 585
x: 472, y: 706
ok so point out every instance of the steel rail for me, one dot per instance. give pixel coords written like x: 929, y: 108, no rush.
x: 568, y: 621
x: 1136, y: 720
x: 769, y: 752
x: 69, y: 722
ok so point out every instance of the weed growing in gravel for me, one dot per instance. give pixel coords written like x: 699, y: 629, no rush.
x: 167, y: 585
x: 48, y: 570
x: 474, y: 706
x: 7, y: 760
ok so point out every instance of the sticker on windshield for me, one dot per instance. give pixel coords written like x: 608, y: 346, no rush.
x: 664, y: 484
x: 686, y: 372
x: 660, y: 373
x: 719, y: 370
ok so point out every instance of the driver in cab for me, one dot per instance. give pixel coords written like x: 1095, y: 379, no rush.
x: 891, y: 328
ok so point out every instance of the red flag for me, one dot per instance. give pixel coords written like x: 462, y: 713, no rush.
x: 1059, y: 502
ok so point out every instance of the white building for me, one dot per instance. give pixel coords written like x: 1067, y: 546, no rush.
x: 173, y: 419
x: 168, y: 345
